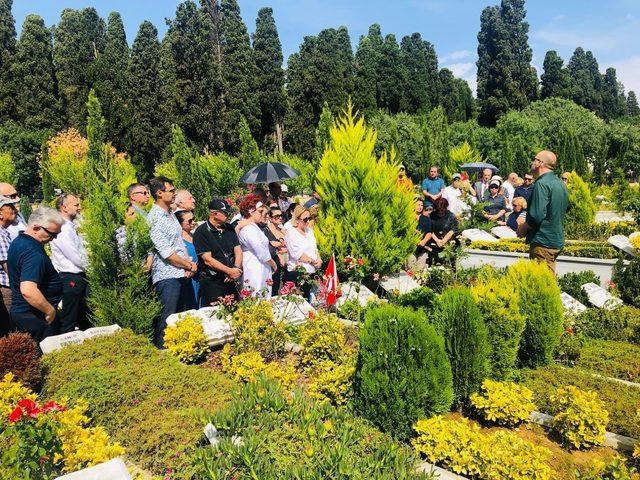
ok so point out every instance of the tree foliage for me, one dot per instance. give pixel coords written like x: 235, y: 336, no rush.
x: 555, y: 79
x: 7, y: 52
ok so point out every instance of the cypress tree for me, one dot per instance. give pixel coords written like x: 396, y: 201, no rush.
x: 267, y: 52
x: 555, y: 79
x: 420, y: 61
x: 633, y: 110
x: 613, y: 100
x: 570, y: 154
x: 239, y: 75
x: 366, y: 73
x: 149, y: 130
x: 323, y: 131
x: 393, y: 77
x: 79, y: 40
x: 586, y: 80
x: 36, y: 93
x: 7, y: 51
x: 436, y: 137
x: 112, y: 83
x: 466, y: 101
x: 249, y: 154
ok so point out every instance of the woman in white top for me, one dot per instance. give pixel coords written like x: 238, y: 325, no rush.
x: 257, y: 264
x: 303, y: 251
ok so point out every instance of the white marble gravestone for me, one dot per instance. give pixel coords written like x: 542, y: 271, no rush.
x: 502, y: 231
x: 353, y: 291
x: 293, y: 310
x: 56, y: 342
x: 622, y: 243
x: 112, y: 470
x: 570, y: 304
x: 400, y: 282
x: 101, y: 331
x: 599, y: 297
x: 477, y: 235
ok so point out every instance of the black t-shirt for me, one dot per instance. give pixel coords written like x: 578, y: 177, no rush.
x: 220, y: 243
x: 424, y: 224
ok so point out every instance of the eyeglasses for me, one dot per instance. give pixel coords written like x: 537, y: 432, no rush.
x: 527, y: 179
x: 305, y: 220
x: 53, y: 235
x: 494, y: 187
x: 13, y: 196
x: 279, y: 215
x: 189, y: 221
x: 565, y: 179
x: 145, y: 193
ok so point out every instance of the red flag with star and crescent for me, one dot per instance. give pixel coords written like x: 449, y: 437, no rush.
x: 330, y: 284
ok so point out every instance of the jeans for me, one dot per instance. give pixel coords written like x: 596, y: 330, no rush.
x: 175, y: 295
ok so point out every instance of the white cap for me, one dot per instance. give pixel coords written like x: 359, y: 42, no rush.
x: 496, y: 177
x: 284, y: 188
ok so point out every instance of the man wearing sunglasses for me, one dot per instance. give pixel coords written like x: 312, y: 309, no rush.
x: 526, y: 189
x: 8, y: 214
x: 19, y: 224
x: 139, y: 198
x: 36, y: 287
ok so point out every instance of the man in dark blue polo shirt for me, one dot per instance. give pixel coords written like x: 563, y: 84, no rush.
x: 35, y: 285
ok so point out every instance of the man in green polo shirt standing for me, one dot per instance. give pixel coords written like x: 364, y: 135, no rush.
x: 544, y: 227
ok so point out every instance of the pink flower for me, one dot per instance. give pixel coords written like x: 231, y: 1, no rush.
x: 376, y: 277
x: 245, y: 293
x: 52, y: 406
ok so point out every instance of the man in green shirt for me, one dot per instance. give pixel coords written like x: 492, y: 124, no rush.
x: 544, y: 227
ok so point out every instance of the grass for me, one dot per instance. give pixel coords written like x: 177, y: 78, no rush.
x: 145, y: 399
x: 612, y: 359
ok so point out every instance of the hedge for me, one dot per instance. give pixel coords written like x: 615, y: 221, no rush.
x: 145, y: 399
x: 601, y: 250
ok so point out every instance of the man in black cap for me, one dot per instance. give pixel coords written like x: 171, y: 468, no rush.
x: 219, y: 254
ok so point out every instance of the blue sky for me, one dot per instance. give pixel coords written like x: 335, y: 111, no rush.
x: 610, y: 29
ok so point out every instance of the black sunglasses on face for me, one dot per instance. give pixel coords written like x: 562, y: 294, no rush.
x: 279, y: 215
x: 53, y: 235
x: 12, y: 196
x: 305, y: 220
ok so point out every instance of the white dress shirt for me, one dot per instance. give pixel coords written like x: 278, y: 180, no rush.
x: 18, y: 227
x: 509, y: 190
x: 68, y: 253
x: 297, y: 245
x: 255, y: 255
x: 457, y: 205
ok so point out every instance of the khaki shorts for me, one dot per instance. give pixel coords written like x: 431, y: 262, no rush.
x: 544, y: 254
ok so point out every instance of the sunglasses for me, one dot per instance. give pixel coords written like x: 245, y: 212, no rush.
x: 277, y: 216
x: 305, y: 220
x: 494, y: 187
x: 190, y: 220
x: 12, y: 196
x: 145, y: 193
x: 527, y: 179
x: 172, y: 190
x: 53, y: 235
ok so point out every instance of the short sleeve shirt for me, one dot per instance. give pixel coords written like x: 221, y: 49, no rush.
x: 433, y: 186
x: 5, y: 243
x: 28, y: 262
x: 494, y: 204
x: 220, y: 244
x: 424, y: 224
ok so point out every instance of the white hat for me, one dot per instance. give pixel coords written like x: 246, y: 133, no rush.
x: 284, y: 188
x: 496, y: 177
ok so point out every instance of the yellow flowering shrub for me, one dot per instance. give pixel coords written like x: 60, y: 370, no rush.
x: 186, y: 340
x: 322, y: 338
x: 634, y: 238
x: 461, y: 447
x: 505, y: 404
x: 256, y: 330
x: 332, y: 382
x: 580, y: 416
x: 636, y: 447
x: 246, y: 366
x: 11, y: 392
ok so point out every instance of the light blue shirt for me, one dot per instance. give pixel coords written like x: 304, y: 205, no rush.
x: 433, y: 186
x: 166, y: 235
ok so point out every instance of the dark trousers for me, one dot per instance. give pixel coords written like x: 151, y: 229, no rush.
x: 211, y: 289
x: 35, y: 325
x: 276, y: 277
x: 175, y: 295
x: 74, y: 302
x: 4, y: 313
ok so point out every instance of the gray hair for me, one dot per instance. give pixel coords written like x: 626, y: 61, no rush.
x: 181, y: 196
x: 43, y: 216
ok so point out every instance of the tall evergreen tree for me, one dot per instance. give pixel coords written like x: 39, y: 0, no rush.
x: 267, y: 52
x: 420, y: 61
x: 393, y: 77
x: 586, y: 80
x: 7, y: 51
x: 466, y: 101
x: 633, y: 110
x: 570, y: 154
x: 367, y: 60
x: 149, y: 129
x: 79, y: 40
x: 35, y: 82
x: 323, y: 135
x: 555, y: 79
x: 112, y: 84
x: 505, y: 77
x: 455, y: 97
x: 239, y: 75
x: 613, y: 99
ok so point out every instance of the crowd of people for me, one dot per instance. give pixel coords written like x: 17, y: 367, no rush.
x: 268, y: 242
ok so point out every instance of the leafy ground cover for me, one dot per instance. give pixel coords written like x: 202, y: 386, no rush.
x: 613, y: 359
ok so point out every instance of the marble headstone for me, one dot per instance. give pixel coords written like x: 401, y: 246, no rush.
x: 56, y: 342
x: 570, y: 304
x: 400, y: 282
x: 101, y: 331
x: 599, y: 297
x: 352, y: 291
x: 622, y: 243
x: 112, y: 470
x: 502, y: 231
x: 293, y: 310
x: 477, y: 235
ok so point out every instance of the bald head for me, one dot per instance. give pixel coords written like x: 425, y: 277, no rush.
x: 7, y: 189
x: 548, y: 159
x: 513, y: 178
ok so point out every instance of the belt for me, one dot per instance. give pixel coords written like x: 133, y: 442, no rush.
x: 81, y: 274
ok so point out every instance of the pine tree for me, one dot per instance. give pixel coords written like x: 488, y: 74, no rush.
x: 393, y: 77
x: 79, y: 41
x: 7, y: 51
x: 585, y: 80
x: 436, y: 137
x: 239, y: 75
x: 149, y: 130
x: 323, y: 131
x: 112, y: 83
x: 505, y: 77
x: 555, y: 79
x: 36, y: 93
x: 366, y: 73
x: 48, y: 192
x: 455, y: 97
x: 267, y: 52
x: 420, y: 61
x: 466, y: 105
x: 613, y: 99
x: 633, y: 110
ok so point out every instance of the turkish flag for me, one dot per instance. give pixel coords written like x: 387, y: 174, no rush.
x: 330, y: 282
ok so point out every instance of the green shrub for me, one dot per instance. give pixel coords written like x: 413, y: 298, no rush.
x: 256, y: 329
x: 499, y: 305
x: 621, y: 324
x: 598, y: 231
x: 7, y: 170
x: 582, y: 209
x: 333, y: 381
x: 627, y: 280
x: 572, y: 248
x: 613, y: 359
x: 569, y: 348
x: 295, y: 437
x: 422, y: 298
x: 580, y: 417
x: 539, y: 302
x: 322, y: 338
x: 572, y: 282
x: 505, y: 404
x: 465, y: 339
x: 144, y: 398
x: 402, y: 372
x: 622, y: 401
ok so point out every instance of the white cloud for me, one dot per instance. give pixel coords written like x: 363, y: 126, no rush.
x: 457, y: 55
x: 574, y: 38
x: 558, y: 18
x: 628, y: 71
x: 466, y: 71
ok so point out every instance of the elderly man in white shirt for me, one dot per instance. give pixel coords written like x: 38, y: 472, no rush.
x: 69, y: 257
x: 454, y: 195
x: 509, y: 187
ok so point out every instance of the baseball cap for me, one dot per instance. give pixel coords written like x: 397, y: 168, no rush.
x: 219, y: 204
x: 496, y: 178
x: 284, y: 188
x: 4, y: 200
x: 456, y: 176
x: 495, y: 182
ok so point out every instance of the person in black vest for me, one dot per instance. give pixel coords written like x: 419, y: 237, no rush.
x: 219, y: 255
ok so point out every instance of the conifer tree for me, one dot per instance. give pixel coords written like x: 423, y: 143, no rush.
x: 79, y: 40
x: 613, y: 99
x: 555, y: 79
x: 455, y: 97
x: 633, y: 110
x: 393, y: 77
x: 36, y: 94
x: 239, y: 75
x: 112, y: 84
x: 7, y: 51
x: 570, y: 154
x: 367, y: 59
x: 249, y: 154
x: 436, y: 139
x: 420, y: 61
x: 48, y: 192
x: 323, y: 131
x: 149, y: 131
x: 267, y: 52
x: 585, y: 80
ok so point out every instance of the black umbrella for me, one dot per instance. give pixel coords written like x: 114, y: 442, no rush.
x: 478, y: 167
x: 269, y: 172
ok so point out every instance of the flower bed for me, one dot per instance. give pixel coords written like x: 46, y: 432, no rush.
x: 572, y: 248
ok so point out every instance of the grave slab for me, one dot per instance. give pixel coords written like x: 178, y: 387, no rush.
x: 503, y: 231
x: 622, y: 243
x: 570, y: 304
x: 101, y: 331
x: 354, y: 290
x: 477, y: 235
x: 293, y: 309
x: 400, y: 282
x: 599, y: 297
x: 112, y: 470
x: 56, y: 342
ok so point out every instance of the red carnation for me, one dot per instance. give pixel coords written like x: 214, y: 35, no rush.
x: 245, y: 293
x: 30, y: 407
x: 15, y: 415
